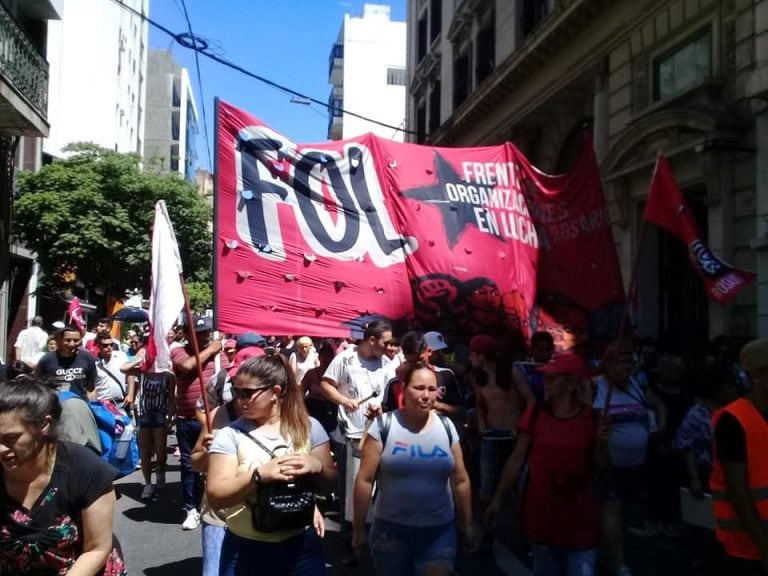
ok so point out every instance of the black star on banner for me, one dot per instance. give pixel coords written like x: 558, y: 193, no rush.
x: 456, y: 215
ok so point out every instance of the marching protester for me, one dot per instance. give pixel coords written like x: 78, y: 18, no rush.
x: 423, y: 487
x: 740, y: 469
x: 273, y: 449
x: 72, y: 367
x: 634, y: 413
x: 304, y: 357
x: 355, y: 380
x: 419, y: 347
x: 155, y: 412
x: 224, y: 411
x: 317, y: 405
x: 499, y: 405
x: 558, y: 509
x: 31, y: 342
x: 188, y: 388
x: 56, y: 498
x: 527, y: 375
x: 110, y: 380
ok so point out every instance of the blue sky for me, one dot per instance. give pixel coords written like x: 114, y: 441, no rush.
x: 286, y: 41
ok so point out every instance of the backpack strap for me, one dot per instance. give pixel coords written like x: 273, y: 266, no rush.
x: 384, y: 421
x: 447, y: 426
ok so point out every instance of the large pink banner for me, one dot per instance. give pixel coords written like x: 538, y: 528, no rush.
x: 320, y: 238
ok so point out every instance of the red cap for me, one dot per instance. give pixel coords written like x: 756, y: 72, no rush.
x: 485, y: 345
x: 230, y: 344
x: 566, y: 364
x: 242, y: 356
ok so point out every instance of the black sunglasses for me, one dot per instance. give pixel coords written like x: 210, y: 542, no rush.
x: 245, y: 394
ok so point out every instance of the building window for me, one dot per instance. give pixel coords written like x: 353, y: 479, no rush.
x: 486, y: 47
x: 421, y: 38
x: 434, y: 107
x: 336, y: 107
x: 462, y: 75
x: 533, y: 13
x: 435, y: 19
x: 396, y: 76
x: 421, y: 123
x: 683, y: 67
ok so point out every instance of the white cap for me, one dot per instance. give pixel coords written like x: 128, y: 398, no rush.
x: 58, y: 324
x: 435, y: 341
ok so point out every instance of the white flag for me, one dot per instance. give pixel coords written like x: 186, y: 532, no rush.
x: 167, y: 297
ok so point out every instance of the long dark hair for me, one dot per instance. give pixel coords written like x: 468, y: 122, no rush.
x: 275, y: 371
x: 33, y: 400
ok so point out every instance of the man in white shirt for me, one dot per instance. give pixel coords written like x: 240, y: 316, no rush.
x: 31, y: 343
x: 355, y: 380
x: 110, y: 381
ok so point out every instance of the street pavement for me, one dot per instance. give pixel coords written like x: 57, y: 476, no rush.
x: 155, y: 545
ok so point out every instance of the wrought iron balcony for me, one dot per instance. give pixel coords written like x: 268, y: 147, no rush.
x: 24, y: 76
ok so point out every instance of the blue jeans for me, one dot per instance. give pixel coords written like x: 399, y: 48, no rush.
x: 301, y: 555
x: 399, y: 550
x: 550, y: 561
x: 213, y: 536
x: 187, y: 432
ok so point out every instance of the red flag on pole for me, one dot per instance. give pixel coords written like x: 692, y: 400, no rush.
x: 667, y: 209
x: 167, y: 297
x: 75, y: 314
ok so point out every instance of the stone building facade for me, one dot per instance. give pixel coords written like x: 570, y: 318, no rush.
x: 688, y: 78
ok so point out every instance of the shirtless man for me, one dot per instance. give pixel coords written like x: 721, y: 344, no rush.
x: 498, y: 405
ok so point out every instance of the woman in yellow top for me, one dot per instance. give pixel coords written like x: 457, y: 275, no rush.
x: 273, y: 441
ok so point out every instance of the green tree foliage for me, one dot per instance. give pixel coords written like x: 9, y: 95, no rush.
x: 200, y: 296
x: 88, y: 217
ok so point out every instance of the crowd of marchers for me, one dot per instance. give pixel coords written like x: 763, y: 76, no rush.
x: 420, y: 442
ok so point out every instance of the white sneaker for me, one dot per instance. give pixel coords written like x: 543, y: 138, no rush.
x: 147, y: 492
x: 160, y: 479
x: 192, y: 521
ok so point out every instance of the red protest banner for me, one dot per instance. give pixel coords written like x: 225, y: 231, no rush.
x: 319, y: 238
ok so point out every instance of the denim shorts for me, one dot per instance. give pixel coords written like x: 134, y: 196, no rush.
x: 400, y: 550
x: 154, y: 419
x: 300, y: 555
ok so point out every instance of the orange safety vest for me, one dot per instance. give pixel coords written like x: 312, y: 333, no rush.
x: 729, y: 530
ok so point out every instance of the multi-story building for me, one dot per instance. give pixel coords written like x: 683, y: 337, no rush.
x: 367, y: 71
x: 98, y: 56
x: 24, y: 121
x: 688, y: 78
x: 171, y: 120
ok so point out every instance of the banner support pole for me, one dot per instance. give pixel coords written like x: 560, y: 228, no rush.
x: 196, y: 350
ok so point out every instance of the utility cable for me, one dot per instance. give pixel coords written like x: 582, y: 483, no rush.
x: 200, y: 85
x: 201, y: 45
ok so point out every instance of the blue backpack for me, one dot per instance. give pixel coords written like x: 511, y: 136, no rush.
x: 117, y: 433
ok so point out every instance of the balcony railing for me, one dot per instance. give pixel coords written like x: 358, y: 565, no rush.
x: 21, y: 64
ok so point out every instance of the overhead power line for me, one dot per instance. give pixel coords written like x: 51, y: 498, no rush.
x: 200, y: 85
x: 201, y: 46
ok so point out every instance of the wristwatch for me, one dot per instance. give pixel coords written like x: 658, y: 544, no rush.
x: 256, y: 476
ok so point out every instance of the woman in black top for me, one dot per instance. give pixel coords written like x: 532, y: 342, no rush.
x: 56, y: 498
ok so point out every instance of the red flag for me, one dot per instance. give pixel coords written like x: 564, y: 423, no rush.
x: 75, y: 314
x: 667, y: 209
x: 167, y: 297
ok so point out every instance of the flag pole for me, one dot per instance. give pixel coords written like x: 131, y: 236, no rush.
x: 631, y: 293
x: 196, y: 350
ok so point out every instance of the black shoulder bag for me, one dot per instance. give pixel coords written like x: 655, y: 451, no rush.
x: 282, y: 506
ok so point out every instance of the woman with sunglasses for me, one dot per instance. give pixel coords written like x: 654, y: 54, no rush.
x: 274, y: 440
